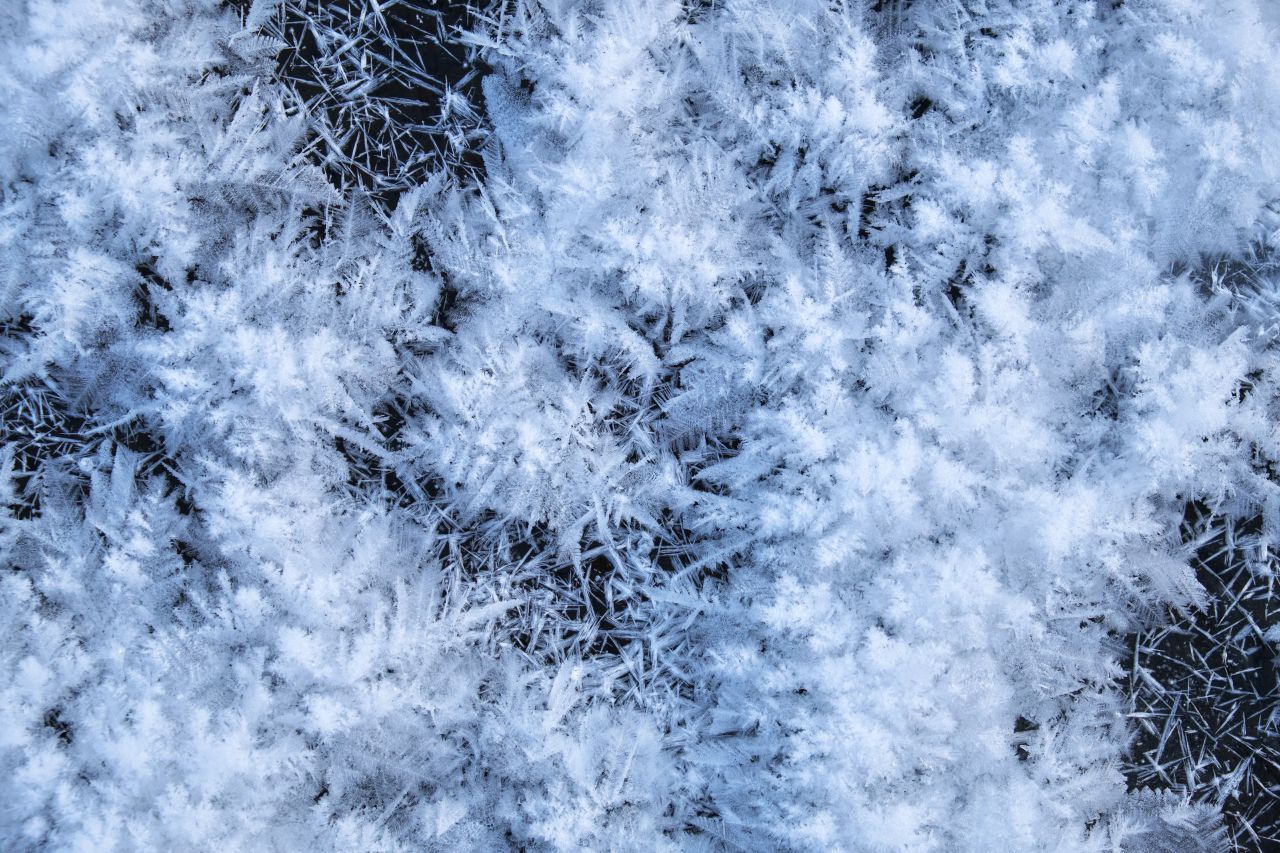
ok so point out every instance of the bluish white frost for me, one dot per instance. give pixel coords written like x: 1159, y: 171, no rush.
x: 820, y: 394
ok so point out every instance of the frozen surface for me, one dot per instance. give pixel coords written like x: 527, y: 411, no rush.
x: 771, y: 425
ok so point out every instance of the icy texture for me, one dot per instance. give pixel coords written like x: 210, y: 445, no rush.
x: 770, y: 451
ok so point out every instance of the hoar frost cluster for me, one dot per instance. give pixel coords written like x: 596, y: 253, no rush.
x: 748, y: 424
